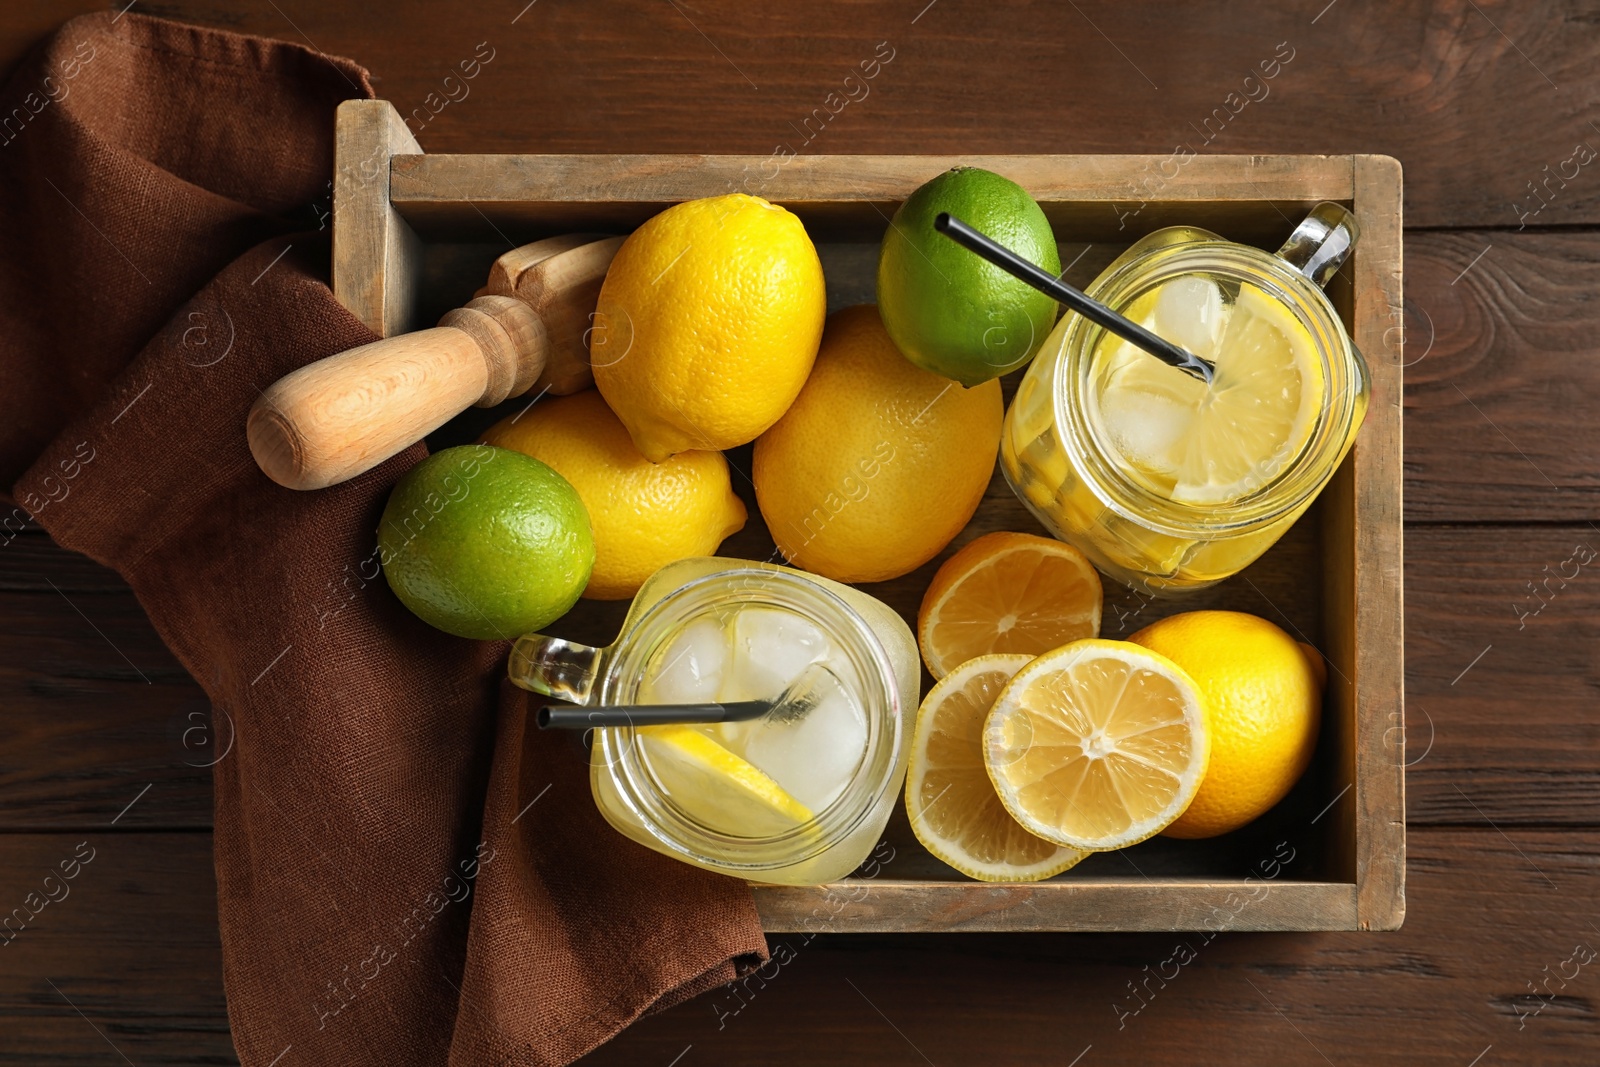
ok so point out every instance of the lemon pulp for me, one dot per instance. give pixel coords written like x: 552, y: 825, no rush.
x: 952, y: 805
x: 1097, y: 745
x: 1200, y: 444
x: 1007, y: 592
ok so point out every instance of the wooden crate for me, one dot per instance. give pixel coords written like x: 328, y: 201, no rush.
x: 414, y: 235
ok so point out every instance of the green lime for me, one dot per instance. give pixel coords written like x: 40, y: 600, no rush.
x: 485, y: 542
x: 948, y: 310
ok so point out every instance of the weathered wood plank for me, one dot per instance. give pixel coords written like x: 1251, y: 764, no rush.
x: 1362, y: 561
x: 1446, y: 89
x: 1502, y: 379
x: 1085, y: 197
x: 376, y: 258
x: 134, y: 946
x: 124, y: 964
x: 96, y: 708
x: 1501, y: 675
x: 1440, y: 991
x: 1516, y: 733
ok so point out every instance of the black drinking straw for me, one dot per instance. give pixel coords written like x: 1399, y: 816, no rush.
x: 797, y: 700
x: 1066, y: 295
x: 580, y: 718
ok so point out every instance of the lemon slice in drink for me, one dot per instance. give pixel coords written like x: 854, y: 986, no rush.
x: 1097, y: 745
x: 949, y: 799
x: 1210, y: 445
x: 715, y: 787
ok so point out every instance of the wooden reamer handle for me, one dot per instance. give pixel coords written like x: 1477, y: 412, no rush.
x: 333, y: 419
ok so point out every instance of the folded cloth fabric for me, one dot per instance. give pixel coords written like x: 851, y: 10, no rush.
x: 404, y: 875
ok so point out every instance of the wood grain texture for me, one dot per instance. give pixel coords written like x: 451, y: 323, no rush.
x: 83, y: 733
x: 1373, y: 641
x: 1456, y: 91
x: 1455, y: 980
x: 1476, y: 100
x: 1440, y: 990
x: 367, y: 231
x: 123, y: 965
x: 329, y: 421
x: 1502, y: 383
x: 1501, y: 675
x: 96, y: 708
x: 559, y: 279
x: 1122, y: 903
x: 1255, y: 199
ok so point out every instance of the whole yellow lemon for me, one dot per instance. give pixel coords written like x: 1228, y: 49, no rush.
x: 644, y: 515
x: 1264, y: 700
x: 878, y: 463
x: 707, y: 324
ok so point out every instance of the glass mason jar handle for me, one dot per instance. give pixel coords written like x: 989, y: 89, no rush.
x: 556, y: 668
x: 1321, y: 242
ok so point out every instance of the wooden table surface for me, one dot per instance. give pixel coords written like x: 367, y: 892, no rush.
x: 1489, y: 108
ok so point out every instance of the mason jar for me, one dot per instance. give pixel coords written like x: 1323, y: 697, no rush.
x: 1063, y: 465
x: 878, y: 661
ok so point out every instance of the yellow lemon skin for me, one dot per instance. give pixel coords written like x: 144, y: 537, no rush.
x: 1264, y: 700
x: 707, y: 324
x: 878, y: 463
x: 644, y: 515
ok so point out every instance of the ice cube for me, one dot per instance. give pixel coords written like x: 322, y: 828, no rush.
x: 812, y: 759
x: 770, y: 648
x: 1190, y: 311
x: 1146, y: 427
x: 691, y: 668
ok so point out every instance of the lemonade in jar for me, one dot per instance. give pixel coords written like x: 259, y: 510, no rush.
x: 1165, y: 481
x: 788, y: 798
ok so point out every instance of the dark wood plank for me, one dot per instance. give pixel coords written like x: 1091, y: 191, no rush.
x: 96, y: 708
x: 1446, y: 90
x: 125, y: 965
x: 32, y: 563
x: 1440, y: 991
x: 84, y: 733
x: 134, y: 947
x: 1502, y: 380
x: 1501, y: 675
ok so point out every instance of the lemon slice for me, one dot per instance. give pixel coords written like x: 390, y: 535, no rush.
x: 1097, y: 745
x: 715, y: 787
x: 951, y: 803
x: 1007, y: 592
x: 1210, y: 445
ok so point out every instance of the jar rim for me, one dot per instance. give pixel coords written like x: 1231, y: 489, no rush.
x: 1300, y: 477
x: 666, y: 821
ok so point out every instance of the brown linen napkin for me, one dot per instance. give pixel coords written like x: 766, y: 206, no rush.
x: 404, y: 875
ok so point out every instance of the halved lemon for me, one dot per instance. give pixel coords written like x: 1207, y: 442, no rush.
x: 1097, y: 745
x: 716, y: 787
x: 951, y: 803
x: 1209, y: 445
x: 1003, y: 593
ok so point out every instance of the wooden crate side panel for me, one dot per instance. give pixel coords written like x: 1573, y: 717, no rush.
x: 971, y: 907
x: 376, y: 256
x: 1378, y: 589
x: 1089, y: 198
